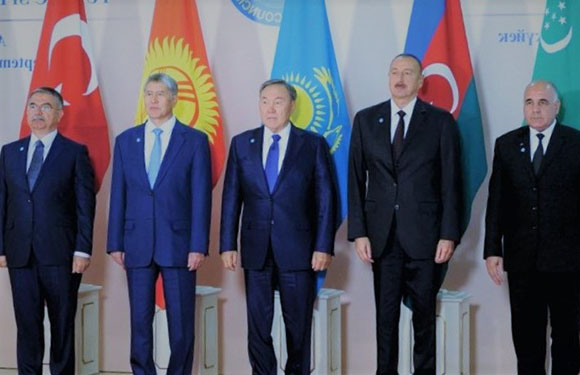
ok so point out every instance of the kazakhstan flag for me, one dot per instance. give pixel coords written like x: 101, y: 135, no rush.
x: 305, y: 58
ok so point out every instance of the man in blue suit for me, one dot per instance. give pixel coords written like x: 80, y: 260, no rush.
x: 282, y: 177
x: 47, y: 209
x: 159, y: 222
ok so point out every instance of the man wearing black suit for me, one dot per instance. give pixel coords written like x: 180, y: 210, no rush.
x: 47, y: 208
x: 533, y: 232
x: 281, y: 176
x: 404, y: 204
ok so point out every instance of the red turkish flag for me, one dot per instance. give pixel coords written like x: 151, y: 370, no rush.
x: 65, y: 61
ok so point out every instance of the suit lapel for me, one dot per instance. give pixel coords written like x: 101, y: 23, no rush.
x: 21, y: 161
x: 382, y: 134
x: 175, y: 142
x: 255, y: 156
x: 51, y: 158
x: 137, y: 152
x: 557, y: 141
x: 295, y: 143
x: 417, y: 119
x: 525, y: 152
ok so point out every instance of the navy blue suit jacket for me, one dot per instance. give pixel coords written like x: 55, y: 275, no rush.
x: 55, y: 219
x: 297, y: 219
x: 171, y: 220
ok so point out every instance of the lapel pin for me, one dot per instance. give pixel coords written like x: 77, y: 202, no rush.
x: 381, y: 120
x: 138, y: 140
x: 252, y: 140
x: 21, y: 148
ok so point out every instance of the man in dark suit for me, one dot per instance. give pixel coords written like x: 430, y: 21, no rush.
x: 404, y: 205
x: 47, y: 209
x: 281, y: 176
x: 159, y: 222
x: 533, y: 232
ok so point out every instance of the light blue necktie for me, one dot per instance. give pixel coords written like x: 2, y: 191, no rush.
x: 271, y: 168
x: 155, y: 159
x: 35, y: 163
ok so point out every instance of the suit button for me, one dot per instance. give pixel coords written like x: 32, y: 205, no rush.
x: 534, y: 227
x: 29, y: 200
x: 272, y: 222
x: 534, y: 189
x: 534, y: 208
x: 394, y: 184
x: 397, y: 207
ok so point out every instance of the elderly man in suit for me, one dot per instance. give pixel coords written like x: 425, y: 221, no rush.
x: 159, y: 222
x: 404, y: 207
x: 532, y: 231
x: 282, y: 177
x: 47, y: 209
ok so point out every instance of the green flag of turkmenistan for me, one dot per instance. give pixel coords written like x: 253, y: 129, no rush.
x: 558, y: 58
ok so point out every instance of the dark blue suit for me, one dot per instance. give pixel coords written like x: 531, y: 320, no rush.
x: 279, y: 233
x: 157, y: 229
x: 41, y: 230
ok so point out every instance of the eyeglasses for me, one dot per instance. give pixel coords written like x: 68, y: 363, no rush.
x: 45, y: 108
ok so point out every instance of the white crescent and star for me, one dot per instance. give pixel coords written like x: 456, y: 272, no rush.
x: 73, y: 26
x: 443, y: 70
x: 558, y: 45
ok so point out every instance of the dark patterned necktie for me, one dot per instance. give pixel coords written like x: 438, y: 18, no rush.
x: 398, y: 139
x: 538, y: 155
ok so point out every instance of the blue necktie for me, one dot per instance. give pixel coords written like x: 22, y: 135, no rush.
x: 271, y: 168
x: 35, y: 163
x: 155, y: 159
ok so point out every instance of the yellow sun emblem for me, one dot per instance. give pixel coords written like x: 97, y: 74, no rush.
x: 317, y: 105
x: 197, y: 104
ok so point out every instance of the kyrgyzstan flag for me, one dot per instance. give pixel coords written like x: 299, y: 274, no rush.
x: 65, y: 61
x: 176, y: 47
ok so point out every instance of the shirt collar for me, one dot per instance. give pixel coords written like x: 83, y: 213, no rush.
x: 284, y: 133
x: 546, y: 132
x: 47, y: 140
x: 408, y: 109
x: 167, y: 126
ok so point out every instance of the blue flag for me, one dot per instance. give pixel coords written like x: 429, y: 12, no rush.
x: 305, y: 58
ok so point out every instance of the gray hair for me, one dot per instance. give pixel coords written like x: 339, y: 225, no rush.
x: 49, y: 91
x: 164, y: 78
x: 291, y: 90
x: 548, y: 85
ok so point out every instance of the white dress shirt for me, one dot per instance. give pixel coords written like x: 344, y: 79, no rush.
x: 282, y: 144
x: 167, y: 128
x: 535, y: 142
x: 408, y: 109
x: 47, y: 141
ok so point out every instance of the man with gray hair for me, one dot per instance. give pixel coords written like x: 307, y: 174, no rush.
x: 281, y: 177
x: 533, y: 232
x: 47, y: 207
x: 159, y: 221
